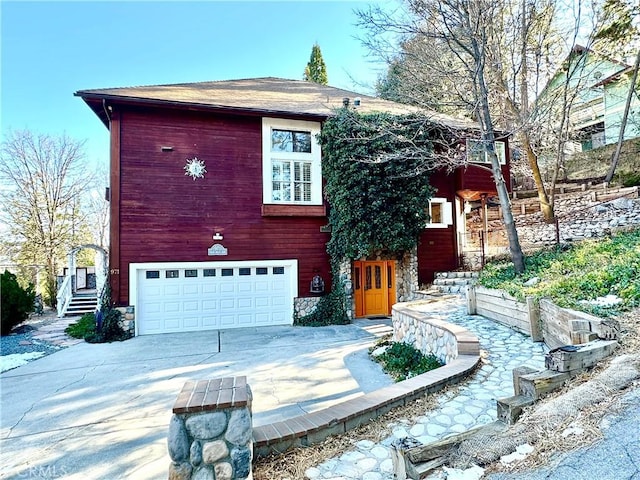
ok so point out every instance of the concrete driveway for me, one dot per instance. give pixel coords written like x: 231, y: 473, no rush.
x: 102, y: 411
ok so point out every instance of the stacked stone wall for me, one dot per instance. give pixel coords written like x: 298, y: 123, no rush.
x: 210, y: 434
x: 128, y: 320
x: 429, y: 336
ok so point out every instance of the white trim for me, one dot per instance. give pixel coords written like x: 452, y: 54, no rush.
x: 446, y: 211
x: 315, y: 157
x: 135, y: 267
x: 500, y: 149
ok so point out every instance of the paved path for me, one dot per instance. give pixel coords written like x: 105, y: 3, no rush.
x: 474, y: 404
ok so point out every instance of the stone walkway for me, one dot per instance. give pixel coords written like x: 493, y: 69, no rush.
x: 53, y: 332
x: 474, y: 403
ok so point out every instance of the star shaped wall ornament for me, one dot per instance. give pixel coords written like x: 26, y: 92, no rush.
x: 195, y: 168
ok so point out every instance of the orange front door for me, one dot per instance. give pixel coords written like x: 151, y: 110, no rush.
x: 374, y: 287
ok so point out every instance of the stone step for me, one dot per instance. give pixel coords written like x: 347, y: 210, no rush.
x: 453, y: 281
x: 462, y: 274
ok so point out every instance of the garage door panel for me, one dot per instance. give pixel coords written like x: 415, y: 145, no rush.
x: 210, y: 305
x: 237, y: 295
x: 228, y: 287
x: 210, y: 322
x: 191, y: 290
x: 278, y: 301
x: 262, y: 302
x: 191, y: 323
x: 193, y: 306
x: 171, y: 307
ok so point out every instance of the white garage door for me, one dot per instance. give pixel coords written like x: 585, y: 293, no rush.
x: 185, y: 297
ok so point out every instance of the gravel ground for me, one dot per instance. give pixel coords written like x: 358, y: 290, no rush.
x: 21, y: 341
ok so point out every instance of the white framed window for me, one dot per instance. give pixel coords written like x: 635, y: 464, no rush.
x: 291, y: 162
x: 477, y: 152
x: 440, y: 213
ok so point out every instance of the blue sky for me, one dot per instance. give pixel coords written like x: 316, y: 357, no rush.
x: 52, y: 49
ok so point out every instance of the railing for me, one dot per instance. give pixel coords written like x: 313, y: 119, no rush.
x: 65, y: 294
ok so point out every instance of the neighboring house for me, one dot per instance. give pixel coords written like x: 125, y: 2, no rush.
x: 217, y: 213
x: 601, y: 86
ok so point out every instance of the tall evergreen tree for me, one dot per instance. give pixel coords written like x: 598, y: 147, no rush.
x: 316, y: 70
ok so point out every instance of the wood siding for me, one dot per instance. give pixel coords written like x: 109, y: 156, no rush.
x: 437, y: 247
x: 167, y: 216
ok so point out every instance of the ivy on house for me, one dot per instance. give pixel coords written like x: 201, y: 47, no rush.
x: 376, y: 168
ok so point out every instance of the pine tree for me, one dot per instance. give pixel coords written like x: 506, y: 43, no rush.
x: 316, y: 70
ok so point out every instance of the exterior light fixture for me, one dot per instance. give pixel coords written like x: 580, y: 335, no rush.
x: 218, y: 236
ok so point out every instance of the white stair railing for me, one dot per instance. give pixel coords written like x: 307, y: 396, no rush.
x: 65, y: 294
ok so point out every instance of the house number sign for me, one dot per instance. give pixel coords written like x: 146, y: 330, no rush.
x: 217, y: 249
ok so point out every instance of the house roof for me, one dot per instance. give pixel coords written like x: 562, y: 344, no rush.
x: 258, y: 96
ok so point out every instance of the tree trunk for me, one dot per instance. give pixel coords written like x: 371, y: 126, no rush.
x: 616, y: 155
x: 488, y: 136
x: 546, y: 207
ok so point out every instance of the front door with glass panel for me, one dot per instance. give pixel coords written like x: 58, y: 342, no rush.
x: 374, y: 287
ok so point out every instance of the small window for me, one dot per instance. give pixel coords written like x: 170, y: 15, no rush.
x: 191, y: 273
x: 477, y: 151
x: 227, y: 272
x: 357, y: 278
x: 153, y: 274
x: 245, y: 271
x: 278, y: 270
x: 262, y: 271
x: 290, y: 141
x: 172, y: 274
x: 209, y: 272
x: 440, y: 213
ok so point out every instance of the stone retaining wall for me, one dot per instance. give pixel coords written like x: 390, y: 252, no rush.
x: 210, y: 434
x: 431, y: 335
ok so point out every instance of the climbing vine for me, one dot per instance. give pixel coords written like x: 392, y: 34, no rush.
x: 376, y: 168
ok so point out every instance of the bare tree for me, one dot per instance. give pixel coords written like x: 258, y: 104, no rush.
x: 462, y: 27
x: 97, y: 209
x: 45, y: 180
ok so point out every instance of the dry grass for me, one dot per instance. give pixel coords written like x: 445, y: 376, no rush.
x: 292, y: 464
x: 550, y: 441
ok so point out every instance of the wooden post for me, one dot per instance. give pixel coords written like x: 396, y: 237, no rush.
x: 535, y: 385
x: 534, y: 319
x: 472, y: 308
x: 519, y: 372
x: 574, y: 358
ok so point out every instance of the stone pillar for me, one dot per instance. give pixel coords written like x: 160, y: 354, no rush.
x: 211, y: 433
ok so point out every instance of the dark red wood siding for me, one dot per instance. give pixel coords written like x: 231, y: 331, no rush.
x: 478, y: 177
x: 437, y: 250
x: 167, y: 216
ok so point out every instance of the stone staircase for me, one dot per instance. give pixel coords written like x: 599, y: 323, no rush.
x: 81, y: 304
x: 453, y: 282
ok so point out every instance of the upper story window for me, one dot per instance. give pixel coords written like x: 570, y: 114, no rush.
x: 440, y: 213
x: 291, y: 162
x: 477, y: 152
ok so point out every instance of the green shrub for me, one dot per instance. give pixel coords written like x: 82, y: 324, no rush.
x: 83, y: 327
x: 329, y: 311
x: 403, y: 361
x: 17, y: 302
x: 108, y: 329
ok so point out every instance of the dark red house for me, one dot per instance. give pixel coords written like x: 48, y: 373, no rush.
x: 217, y: 213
